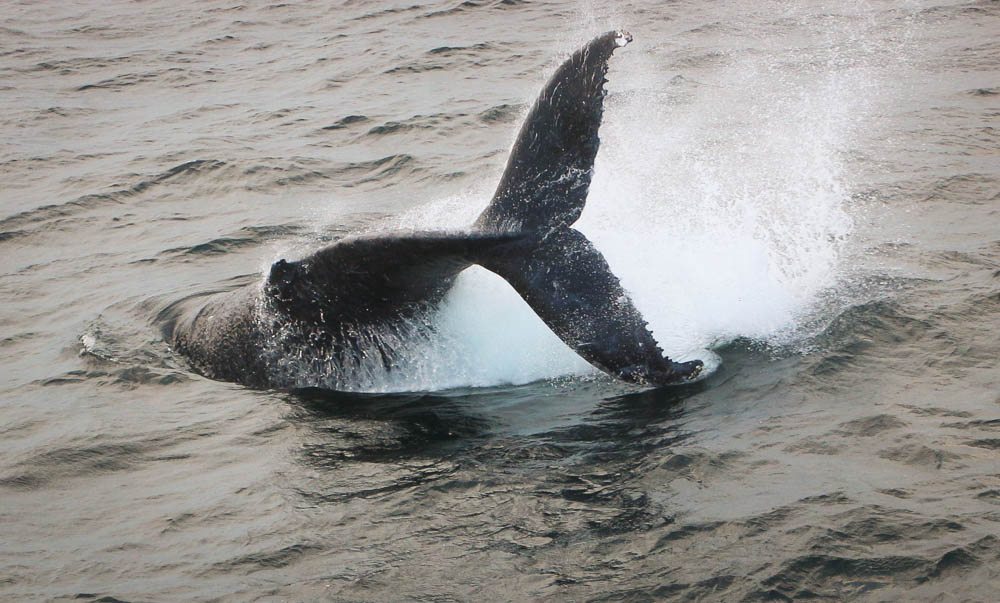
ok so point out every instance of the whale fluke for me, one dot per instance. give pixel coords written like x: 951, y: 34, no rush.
x: 548, y: 173
x: 543, y: 191
x: 569, y: 285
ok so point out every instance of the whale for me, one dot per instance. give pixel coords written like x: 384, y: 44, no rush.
x: 358, y: 299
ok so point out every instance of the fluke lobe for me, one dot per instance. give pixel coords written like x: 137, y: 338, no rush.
x: 353, y: 302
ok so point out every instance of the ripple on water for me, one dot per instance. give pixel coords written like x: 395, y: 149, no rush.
x: 753, y: 157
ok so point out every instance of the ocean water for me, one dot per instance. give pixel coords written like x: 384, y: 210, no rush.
x: 803, y: 194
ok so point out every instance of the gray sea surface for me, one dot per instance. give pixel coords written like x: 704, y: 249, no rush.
x: 804, y: 194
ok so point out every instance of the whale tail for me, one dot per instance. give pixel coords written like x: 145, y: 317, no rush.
x: 560, y: 273
x: 548, y: 172
x: 524, y: 235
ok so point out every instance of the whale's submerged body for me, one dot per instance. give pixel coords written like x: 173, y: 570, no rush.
x: 326, y: 309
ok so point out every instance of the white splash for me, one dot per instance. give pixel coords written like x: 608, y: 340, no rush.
x: 722, y: 207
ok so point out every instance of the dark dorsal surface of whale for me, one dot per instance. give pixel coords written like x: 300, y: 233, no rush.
x: 360, y: 296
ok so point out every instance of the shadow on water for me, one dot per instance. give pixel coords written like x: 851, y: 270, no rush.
x: 591, y: 415
x: 344, y: 429
x: 397, y: 425
x: 621, y: 422
x: 580, y: 440
x: 373, y: 445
